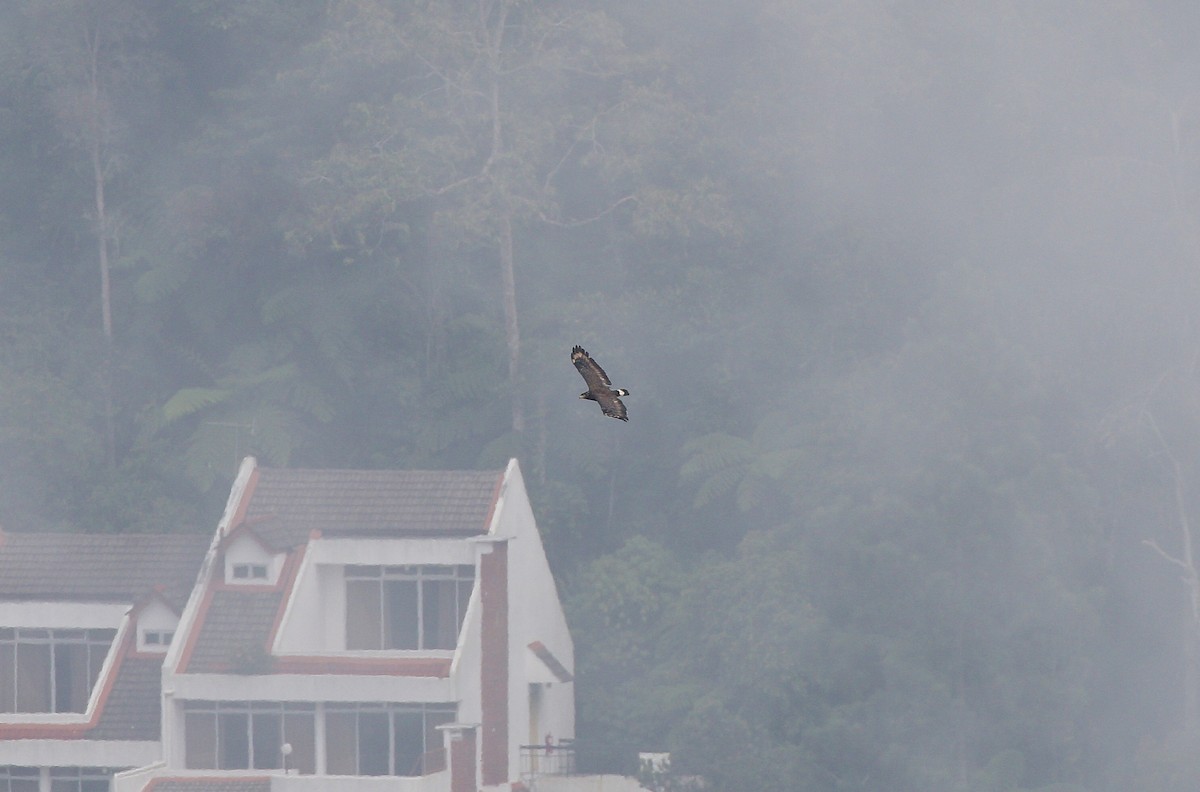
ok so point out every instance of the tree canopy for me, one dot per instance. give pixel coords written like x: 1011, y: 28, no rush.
x: 905, y: 296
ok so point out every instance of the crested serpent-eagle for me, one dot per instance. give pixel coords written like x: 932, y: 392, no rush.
x: 600, y: 389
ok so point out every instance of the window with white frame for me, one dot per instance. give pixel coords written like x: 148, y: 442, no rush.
x: 250, y: 573
x: 50, y: 670
x: 243, y: 735
x: 157, y: 640
x: 19, y: 779
x: 80, y: 779
x: 385, y: 739
x: 406, y: 607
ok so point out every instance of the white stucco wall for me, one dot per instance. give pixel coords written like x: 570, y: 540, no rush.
x: 157, y: 617
x: 464, y: 669
x: 84, y: 753
x: 312, y: 687
x: 535, y: 614
x: 62, y: 615
x: 247, y: 550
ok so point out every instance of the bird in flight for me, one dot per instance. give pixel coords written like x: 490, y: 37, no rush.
x: 600, y: 389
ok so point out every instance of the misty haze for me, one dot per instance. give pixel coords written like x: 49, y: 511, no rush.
x: 906, y: 296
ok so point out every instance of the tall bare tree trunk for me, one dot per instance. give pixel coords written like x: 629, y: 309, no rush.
x: 96, y: 151
x: 1186, y: 563
x: 507, y: 260
x: 511, y: 331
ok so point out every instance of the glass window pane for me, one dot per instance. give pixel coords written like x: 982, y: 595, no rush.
x: 434, y: 717
x: 374, y: 744
x: 70, y: 677
x: 363, y: 615
x: 19, y: 779
x: 200, y: 740
x: 8, y: 677
x: 400, y: 610
x: 341, y: 743
x: 464, y: 597
x: 267, y: 729
x: 96, y: 655
x: 440, y: 614
x: 233, y: 741
x: 408, y: 743
x: 299, y: 731
x: 33, y: 678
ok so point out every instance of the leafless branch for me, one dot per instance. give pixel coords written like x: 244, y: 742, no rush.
x: 1170, y: 559
x: 584, y: 221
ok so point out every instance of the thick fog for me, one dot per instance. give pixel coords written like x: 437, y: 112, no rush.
x: 905, y: 295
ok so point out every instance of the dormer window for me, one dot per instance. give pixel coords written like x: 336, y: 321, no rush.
x: 157, y: 639
x: 250, y: 572
x: 248, y: 562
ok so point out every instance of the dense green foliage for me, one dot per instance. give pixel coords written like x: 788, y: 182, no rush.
x: 905, y: 294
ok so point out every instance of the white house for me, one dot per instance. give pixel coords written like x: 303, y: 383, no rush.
x: 85, y: 622
x: 362, y: 630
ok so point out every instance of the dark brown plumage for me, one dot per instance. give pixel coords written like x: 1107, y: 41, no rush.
x: 600, y: 389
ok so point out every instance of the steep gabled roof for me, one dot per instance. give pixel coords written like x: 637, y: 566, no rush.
x: 234, y: 633
x: 132, y: 710
x: 286, y: 506
x: 99, y: 567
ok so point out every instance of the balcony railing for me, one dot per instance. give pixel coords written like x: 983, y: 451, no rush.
x: 549, y: 759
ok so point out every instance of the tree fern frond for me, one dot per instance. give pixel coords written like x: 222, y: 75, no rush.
x: 718, y: 485
x: 713, y: 453
x: 189, y: 401
x: 162, y: 280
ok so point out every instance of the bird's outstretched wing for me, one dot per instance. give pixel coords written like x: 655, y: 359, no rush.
x: 600, y: 389
x: 593, y: 375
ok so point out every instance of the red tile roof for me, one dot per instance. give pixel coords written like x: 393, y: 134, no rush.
x: 286, y: 506
x: 99, y: 567
x: 132, y: 710
x: 234, y: 632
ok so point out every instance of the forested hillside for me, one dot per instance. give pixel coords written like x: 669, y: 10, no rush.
x: 907, y: 296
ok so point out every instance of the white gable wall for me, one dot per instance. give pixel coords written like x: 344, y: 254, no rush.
x: 247, y: 550
x: 156, y: 617
x: 535, y: 614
